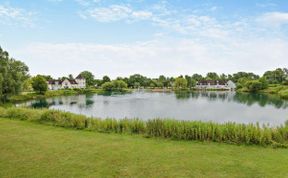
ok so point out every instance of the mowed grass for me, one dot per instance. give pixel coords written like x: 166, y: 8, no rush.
x: 28, y: 149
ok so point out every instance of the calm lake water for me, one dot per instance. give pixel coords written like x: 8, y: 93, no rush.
x: 206, y: 106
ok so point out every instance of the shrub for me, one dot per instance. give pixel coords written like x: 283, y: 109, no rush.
x: 254, y: 85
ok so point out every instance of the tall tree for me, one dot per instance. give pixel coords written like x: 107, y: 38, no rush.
x: 180, y: 83
x: 212, y: 76
x: 12, y: 75
x: 39, y: 84
x: 89, y: 77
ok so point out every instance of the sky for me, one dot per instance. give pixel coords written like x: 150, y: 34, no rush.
x: 149, y: 37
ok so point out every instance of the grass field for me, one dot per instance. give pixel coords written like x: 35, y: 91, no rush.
x: 32, y: 150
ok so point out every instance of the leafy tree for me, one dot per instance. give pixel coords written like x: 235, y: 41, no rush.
x: 256, y: 85
x: 223, y: 77
x: 107, y: 86
x: 106, y: 79
x: 276, y: 76
x: 248, y: 76
x: 47, y: 77
x: 137, y: 81
x: 27, y: 85
x: 163, y: 81
x: 190, y: 81
x: 89, y: 77
x: 212, y: 76
x: 39, y: 84
x: 115, y: 85
x: 180, y: 83
x: 197, y: 77
x: 12, y: 75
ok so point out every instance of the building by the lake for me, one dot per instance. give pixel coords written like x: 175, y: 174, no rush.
x: 78, y: 82
x: 216, y: 85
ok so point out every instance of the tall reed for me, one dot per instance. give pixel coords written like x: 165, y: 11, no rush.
x: 250, y: 134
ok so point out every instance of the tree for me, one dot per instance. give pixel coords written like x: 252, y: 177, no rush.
x: 12, y: 75
x: 39, y: 84
x: 223, y: 77
x: 212, y: 76
x: 197, y: 77
x: 180, y: 83
x: 256, y: 85
x: 89, y: 77
x: 248, y: 76
x: 137, y: 81
x: 105, y: 79
x: 276, y: 76
x: 115, y: 85
x: 27, y: 85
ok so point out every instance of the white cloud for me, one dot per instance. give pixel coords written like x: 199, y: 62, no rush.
x: 170, y: 57
x: 87, y: 2
x: 274, y: 18
x: 115, y: 13
x: 16, y: 16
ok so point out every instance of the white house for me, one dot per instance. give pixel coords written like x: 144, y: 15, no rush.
x: 216, y: 84
x: 79, y: 82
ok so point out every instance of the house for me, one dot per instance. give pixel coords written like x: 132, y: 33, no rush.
x: 78, y: 82
x: 216, y: 84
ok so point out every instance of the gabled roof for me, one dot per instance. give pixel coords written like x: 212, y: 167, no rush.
x: 53, y: 82
x: 80, y: 77
x: 212, y: 82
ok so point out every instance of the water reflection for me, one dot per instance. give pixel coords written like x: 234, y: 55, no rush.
x: 207, y: 106
x: 81, y: 101
x: 248, y: 99
x: 86, y: 101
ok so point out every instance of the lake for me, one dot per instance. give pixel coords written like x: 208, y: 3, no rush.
x: 206, y: 106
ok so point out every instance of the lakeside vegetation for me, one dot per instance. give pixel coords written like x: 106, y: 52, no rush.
x: 234, y: 133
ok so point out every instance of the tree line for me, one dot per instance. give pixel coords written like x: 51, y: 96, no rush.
x: 14, y: 78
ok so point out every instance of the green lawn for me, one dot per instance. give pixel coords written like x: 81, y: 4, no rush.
x: 32, y: 150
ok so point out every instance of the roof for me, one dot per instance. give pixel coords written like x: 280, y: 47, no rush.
x: 53, y: 82
x: 212, y: 82
x: 80, y: 77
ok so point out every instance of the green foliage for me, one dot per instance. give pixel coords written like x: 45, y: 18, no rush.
x: 277, y: 76
x: 39, y: 84
x: 212, y: 76
x: 89, y: 77
x: 12, y: 75
x: 105, y: 79
x: 115, y: 85
x: 284, y: 94
x: 180, y: 83
x: 250, y: 134
x: 256, y: 85
x: 243, y: 75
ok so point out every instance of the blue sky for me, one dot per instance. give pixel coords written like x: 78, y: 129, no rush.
x: 151, y: 37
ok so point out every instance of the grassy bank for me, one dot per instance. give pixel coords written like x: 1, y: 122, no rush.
x: 33, y: 95
x: 272, y: 89
x: 164, y: 128
x: 33, y: 150
x: 281, y: 90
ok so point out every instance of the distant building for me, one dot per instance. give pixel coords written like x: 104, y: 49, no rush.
x: 216, y: 84
x: 79, y: 82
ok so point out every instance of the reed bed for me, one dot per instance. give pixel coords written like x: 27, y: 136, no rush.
x: 233, y: 133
